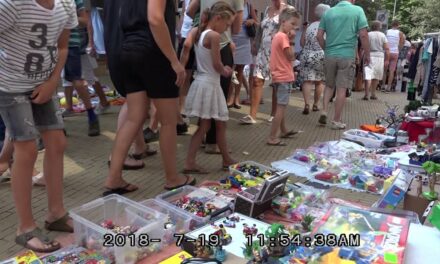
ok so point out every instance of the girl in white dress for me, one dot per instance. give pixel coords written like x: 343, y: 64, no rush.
x: 205, y: 98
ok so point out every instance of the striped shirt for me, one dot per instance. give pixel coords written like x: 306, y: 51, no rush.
x: 29, y: 41
x: 75, y: 34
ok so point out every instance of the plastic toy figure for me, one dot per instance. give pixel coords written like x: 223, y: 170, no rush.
x: 250, y: 230
x: 234, y: 218
x: 229, y: 223
x: 220, y: 253
x: 223, y: 235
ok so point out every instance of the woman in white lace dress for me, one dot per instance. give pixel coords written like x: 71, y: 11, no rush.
x: 312, y: 62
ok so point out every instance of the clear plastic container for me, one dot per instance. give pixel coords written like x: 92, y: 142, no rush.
x: 181, y: 221
x: 89, y: 233
x: 171, y: 197
x: 263, y: 168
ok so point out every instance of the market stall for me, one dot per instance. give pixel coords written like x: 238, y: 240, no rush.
x: 258, y: 214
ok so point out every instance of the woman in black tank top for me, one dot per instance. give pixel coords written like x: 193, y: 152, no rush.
x: 142, y: 62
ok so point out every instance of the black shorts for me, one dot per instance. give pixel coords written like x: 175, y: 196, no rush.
x: 147, y: 71
x: 72, y: 69
x: 191, y: 64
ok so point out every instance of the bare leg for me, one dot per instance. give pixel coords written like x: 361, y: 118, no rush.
x: 100, y: 92
x: 374, y: 84
x: 239, y: 70
x: 306, y: 89
x: 257, y: 91
x: 274, y: 102
x: 390, y: 78
x: 319, y: 89
x: 68, y: 93
x: 194, y: 145
x: 153, y: 118
x: 276, y: 124
x: 122, y: 117
x: 24, y: 161
x: 367, y: 87
x: 340, y: 101
x: 246, y: 86
x: 136, y: 115
x: 184, y: 90
x: 83, y: 93
x: 53, y: 170
x: 222, y: 143
x: 166, y: 109
x: 251, y: 80
x: 6, y: 154
x: 328, y: 94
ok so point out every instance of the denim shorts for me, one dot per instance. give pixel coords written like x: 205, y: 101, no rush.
x: 283, y: 94
x: 73, y: 69
x: 24, y: 119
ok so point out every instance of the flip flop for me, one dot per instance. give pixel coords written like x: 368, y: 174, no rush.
x: 60, y: 225
x: 289, y: 134
x: 143, y: 155
x: 192, y: 183
x: 278, y: 144
x: 195, y: 171
x: 24, y: 238
x: 121, y: 190
x: 130, y: 167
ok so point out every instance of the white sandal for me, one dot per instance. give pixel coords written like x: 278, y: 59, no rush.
x: 248, y: 120
x: 38, y: 180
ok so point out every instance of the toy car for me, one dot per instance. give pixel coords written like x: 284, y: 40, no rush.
x: 250, y: 230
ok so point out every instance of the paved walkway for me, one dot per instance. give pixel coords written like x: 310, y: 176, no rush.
x: 86, y: 157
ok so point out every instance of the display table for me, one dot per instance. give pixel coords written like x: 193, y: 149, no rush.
x: 416, y: 128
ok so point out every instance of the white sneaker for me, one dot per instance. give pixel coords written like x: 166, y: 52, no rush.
x: 338, y: 125
x: 270, y: 119
x: 38, y: 180
x: 99, y: 110
x: 234, y: 78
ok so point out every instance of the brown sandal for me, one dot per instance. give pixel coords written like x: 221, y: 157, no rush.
x: 306, y: 109
x: 60, y: 225
x: 24, y: 238
x: 315, y: 108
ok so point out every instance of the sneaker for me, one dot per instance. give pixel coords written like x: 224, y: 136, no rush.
x: 99, y: 110
x: 186, y: 119
x: 234, y: 79
x: 323, y: 119
x: 182, y: 129
x: 270, y: 119
x: 150, y: 135
x: 94, y: 129
x: 338, y: 125
x: 68, y: 113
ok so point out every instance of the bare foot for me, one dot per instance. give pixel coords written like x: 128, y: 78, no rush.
x: 37, y: 244
x: 179, y: 180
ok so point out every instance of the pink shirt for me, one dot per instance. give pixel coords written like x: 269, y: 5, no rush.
x: 281, y: 67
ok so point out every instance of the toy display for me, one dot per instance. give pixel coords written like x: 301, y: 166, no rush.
x: 222, y: 234
x: 432, y: 169
x: 253, y: 169
x: 382, y: 238
x: 368, y: 139
x: 198, y: 206
x: 77, y: 255
x: 238, y: 181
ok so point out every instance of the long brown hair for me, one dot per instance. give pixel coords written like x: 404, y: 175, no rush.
x: 220, y: 8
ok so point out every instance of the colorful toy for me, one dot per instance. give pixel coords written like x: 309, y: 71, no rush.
x: 250, y: 230
x: 223, y: 235
x: 327, y: 177
x: 434, y: 217
x: 363, y: 182
x: 432, y: 169
x: 75, y: 255
x: 126, y: 230
x: 220, y: 253
x: 198, y: 206
x: 254, y: 170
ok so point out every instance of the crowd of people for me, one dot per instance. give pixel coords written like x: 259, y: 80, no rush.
x: 43, y: 40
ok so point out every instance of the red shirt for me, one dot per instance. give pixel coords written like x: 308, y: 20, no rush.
x: 280, y: 66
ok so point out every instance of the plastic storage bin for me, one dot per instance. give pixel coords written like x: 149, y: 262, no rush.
x: 196, y: 221
x: 181, y: 221
x: 233, y: 169
x: 89, y: 233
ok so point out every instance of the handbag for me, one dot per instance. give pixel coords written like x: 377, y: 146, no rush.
x: 251, y: 30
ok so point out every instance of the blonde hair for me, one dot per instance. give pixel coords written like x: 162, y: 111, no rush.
x: 288, y: 13
x: 220, y: 8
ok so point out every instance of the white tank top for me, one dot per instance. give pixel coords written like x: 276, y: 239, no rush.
x: 205, y: 64
x: 393, y: 36
x: 187, y: 22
